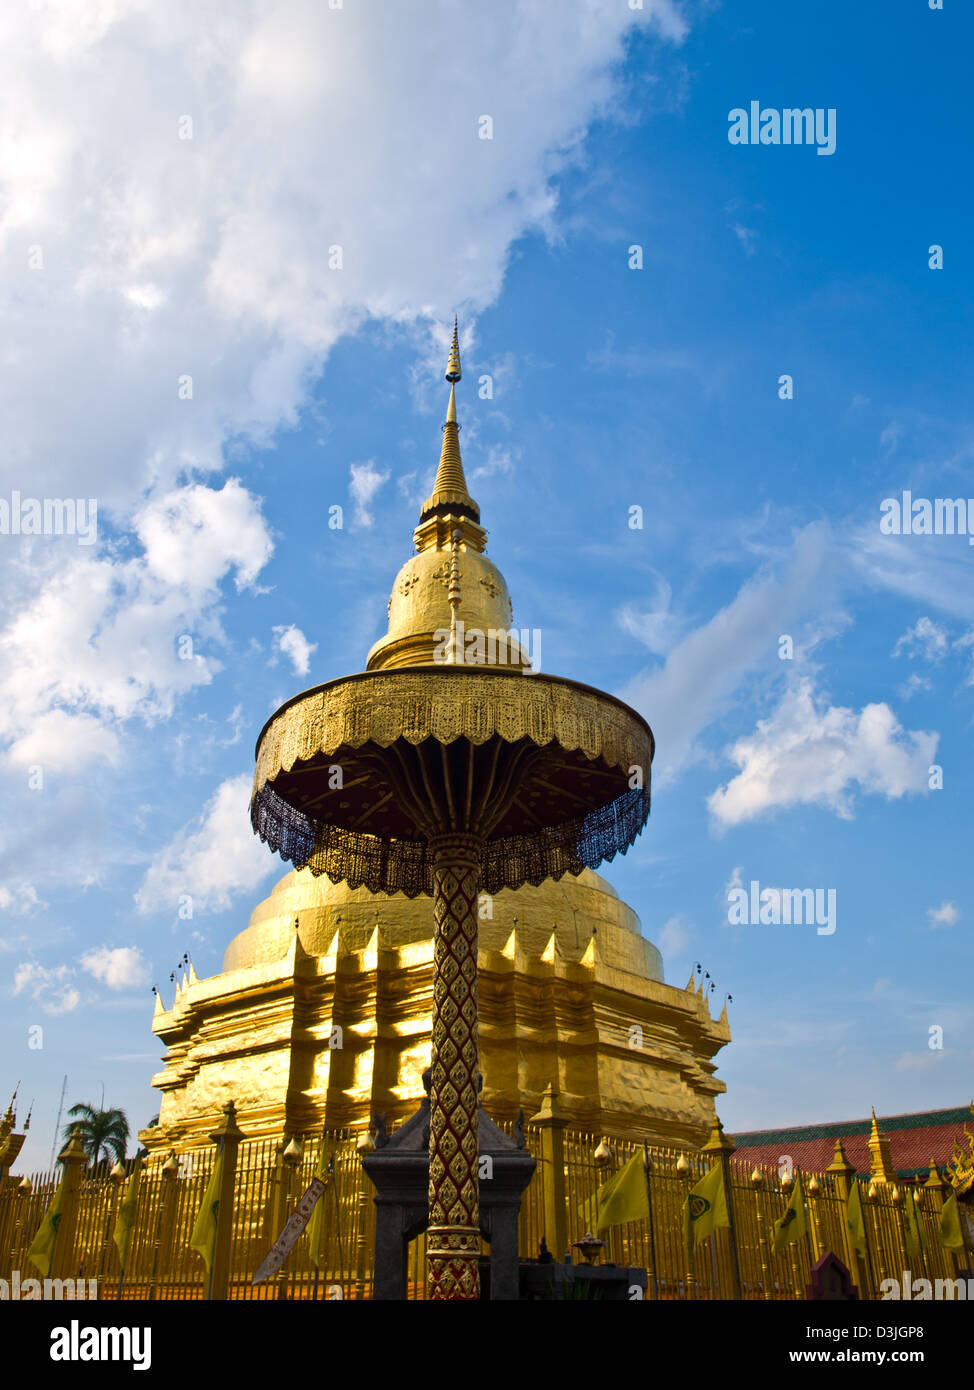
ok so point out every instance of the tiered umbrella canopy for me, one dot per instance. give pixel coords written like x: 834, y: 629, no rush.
x: 451, y: 779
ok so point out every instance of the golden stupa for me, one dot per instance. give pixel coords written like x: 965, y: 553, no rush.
x: 323, y: 1010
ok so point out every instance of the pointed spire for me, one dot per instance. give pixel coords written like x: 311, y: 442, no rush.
x: 450, y: 488
x: 453, y: 372
x: 881, y: 1165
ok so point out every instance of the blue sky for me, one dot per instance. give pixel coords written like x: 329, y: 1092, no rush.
x: 612, y: 387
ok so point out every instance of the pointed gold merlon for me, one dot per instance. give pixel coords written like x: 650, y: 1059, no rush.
x: 719, y: 1142
x: 450, y: 488
x: 881, y: 1158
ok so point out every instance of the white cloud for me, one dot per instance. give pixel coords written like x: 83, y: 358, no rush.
x: 933, y: 570
x: 920, y: 1061
x: 292, y: 643
x: 118, y: 967
x: 365, y: 481
x: 747, y: 236
x: 20, y: 900
x: 891, y: 436
x: 814, y: 754
x: 675, y: 936
x: 51, y: 988
x: 704, y: 671
x: 213, y: 861
x: 916, y: 683
x: 173, y: 293
x: 194, y: 536
x: 59, y: 742
x: 925, y: 639
x: 943, y: 916
x: 500, y: 459
x: 209, y: 256
x: 657, y: 627
x: 963, y: 644
x: 102, y: 640
x: 733, y: 883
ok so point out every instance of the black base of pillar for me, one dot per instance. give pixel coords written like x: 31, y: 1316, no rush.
x: 399, y: 1171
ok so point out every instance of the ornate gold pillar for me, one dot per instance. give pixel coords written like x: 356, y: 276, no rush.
x: 843, y: 1174
x: 453, y: 1237
x: 552, y: 1122
x: 722, y: 1145
x: 165, y: 1223
x: 228, y: 1136
x: 291, y: 1160
x: 757, y: 1186
x: 73, y: 1160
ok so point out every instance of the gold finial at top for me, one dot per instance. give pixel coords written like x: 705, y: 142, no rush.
x: 453, y: 365
x: 719, y: 1142
x: 450, y: 494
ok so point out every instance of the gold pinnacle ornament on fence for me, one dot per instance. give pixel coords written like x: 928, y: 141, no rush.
x: 451, y: 767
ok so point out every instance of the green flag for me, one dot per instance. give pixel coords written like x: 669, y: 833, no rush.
x: 41, y: 1251
x: 203, y: 1239
x: 914, y: 1244
x: 950, y: 1232
x: 791, y: 1226
x: 853, y: 1219
x: 125, y: 1221
x: 317, y: 1222
x: 627, y: 1201
x: 705, y: 1208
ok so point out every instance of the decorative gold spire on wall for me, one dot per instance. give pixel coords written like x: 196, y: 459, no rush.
x: 881, y: 1168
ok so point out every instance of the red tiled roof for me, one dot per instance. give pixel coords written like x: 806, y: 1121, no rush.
x: 915, y: 1141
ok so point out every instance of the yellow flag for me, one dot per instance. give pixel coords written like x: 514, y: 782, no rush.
x: 125, y: 1221
x: 853, y: 1219
x: 627, y: 1201
x: 913, y: 1242
x: 791, y: 1226
x: 203, y: 1239
x: 589, y: 1208
x: 317, y: 1222
x: 950, y: 1232
x: 41, y: 1251
x: 705, y: 1208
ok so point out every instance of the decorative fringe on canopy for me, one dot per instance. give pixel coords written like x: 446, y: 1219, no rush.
x: 405, y: 866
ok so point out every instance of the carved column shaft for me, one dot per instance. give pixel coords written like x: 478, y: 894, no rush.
x: 453, y: 1239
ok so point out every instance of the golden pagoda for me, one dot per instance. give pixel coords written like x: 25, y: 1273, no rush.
x: 323, y: 1010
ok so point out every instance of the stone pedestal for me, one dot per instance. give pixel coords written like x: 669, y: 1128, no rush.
x: 399, y: 1171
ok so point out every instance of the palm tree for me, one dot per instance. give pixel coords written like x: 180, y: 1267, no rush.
x: 103, y: 1132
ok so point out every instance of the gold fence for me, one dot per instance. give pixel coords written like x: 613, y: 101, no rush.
x: 269, y: 1179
